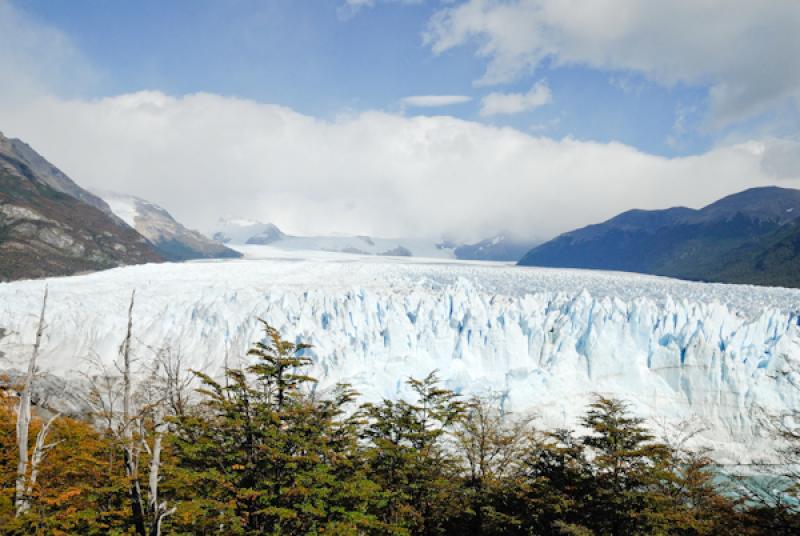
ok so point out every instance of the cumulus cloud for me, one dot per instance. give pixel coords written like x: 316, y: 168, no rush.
x: 203, y: 155
x: 432, y: 101
x: 745, y: 51
x: 514, y: 103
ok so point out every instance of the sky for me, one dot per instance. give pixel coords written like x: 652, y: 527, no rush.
x: 438, y: 118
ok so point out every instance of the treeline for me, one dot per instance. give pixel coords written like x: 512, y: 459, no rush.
x: 261, y: 452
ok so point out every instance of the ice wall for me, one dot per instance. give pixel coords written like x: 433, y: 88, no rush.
x: 723, y: 357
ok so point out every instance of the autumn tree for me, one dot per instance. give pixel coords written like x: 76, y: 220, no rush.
x: 74, y: 493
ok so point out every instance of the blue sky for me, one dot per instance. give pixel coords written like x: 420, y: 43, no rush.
x: 320, y: 59
x: 458, y: 118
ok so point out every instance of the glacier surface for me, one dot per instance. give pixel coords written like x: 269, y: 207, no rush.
x: 719, y: 357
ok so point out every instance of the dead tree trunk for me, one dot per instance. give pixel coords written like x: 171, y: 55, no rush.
x: 22, y: 501
x: 39, y: 451
x: 129, y: 447
x: 158, y: 510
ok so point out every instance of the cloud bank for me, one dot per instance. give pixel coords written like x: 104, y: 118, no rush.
x: 745, y: 51
x: 202, y: 156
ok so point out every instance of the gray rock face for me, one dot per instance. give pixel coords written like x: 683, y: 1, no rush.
x: 51, y: 226
x: 48, y: 173
x: 269, y: 235
x: 399, y: 251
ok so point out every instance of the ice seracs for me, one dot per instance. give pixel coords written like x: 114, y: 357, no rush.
x: 723, y: 357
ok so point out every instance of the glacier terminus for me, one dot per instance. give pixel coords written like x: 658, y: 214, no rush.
x: 722, y: 359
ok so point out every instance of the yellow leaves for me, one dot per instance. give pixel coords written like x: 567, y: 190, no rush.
x: 187, y: 517
x: 62, y: 497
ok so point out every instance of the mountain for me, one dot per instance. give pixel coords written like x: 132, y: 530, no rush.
x: 51, y: 226
x: 498, y: 248
x: 172, y: 240
x: 47, y: 173
x: 250, y: 233
x: 721, y: 357
x: 246, y: 232
x: 502, y: 247
x: 748, y: 237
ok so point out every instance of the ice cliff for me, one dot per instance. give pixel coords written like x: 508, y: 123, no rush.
x: 723, y: 357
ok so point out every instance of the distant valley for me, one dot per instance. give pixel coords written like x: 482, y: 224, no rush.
x: 245, y: 232
x: 49, y: 225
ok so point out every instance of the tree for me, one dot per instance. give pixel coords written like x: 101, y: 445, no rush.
x: 27, y: 472
x: 411, y: 457
x: 139, y: 426
x: 550, y: 489
x: 627, y: 469
x: 261, y: 456
x: 80, y: 497
x: 491, y: 444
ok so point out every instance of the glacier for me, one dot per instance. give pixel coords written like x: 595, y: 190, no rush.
x: 720, y: 358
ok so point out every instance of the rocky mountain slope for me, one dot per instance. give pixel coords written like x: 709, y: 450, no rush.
x: 171, y: 239
x: 502, y: 247
x: 749, y: 237
x: 51, y: 226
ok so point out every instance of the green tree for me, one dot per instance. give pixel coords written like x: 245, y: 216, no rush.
x: 491, y: 445
x: 412, y: 458
x: 260, y: 456
x: 628, y: 469
x: 553, y: 485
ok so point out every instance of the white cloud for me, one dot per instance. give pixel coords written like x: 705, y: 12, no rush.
x: 202, y: 156
x: 514, y: 103
x: 431, y: 101
x: 782, y: 159
x: 746, y: 51
x: 351, y: 7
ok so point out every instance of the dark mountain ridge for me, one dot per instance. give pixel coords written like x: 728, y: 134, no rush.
x: 747, y: 237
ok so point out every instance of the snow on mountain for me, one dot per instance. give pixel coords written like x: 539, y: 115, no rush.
x: 721, y: 356
x: 245, y: 232
x: 170, y: 238
x: 49, y: 225
x: 501, y: 247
